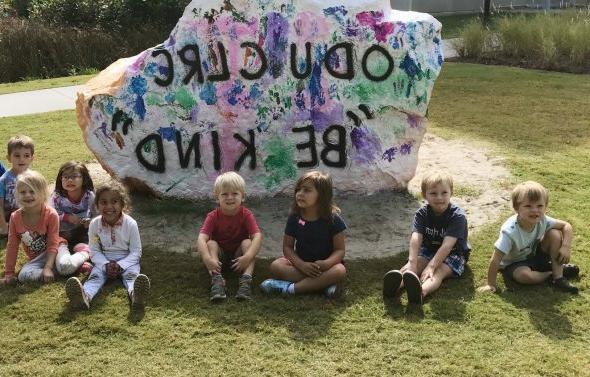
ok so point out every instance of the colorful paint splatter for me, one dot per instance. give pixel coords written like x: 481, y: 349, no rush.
x: 270, y: 89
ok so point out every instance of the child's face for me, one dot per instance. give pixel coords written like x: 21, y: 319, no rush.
x: 28, y: 198
x: 230, y: 201
x: 531, y: 212
x: 20, y: 159
x: 71, y: 180
x: 110, y: 206
x: 439, y: 197
x: 307, y: 195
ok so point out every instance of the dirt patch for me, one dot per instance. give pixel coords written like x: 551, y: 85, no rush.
x: 378, y: 225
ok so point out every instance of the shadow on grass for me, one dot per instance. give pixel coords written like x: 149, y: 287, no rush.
x: 542, y: 303
x: 70, y: 314
x: 447, y: 304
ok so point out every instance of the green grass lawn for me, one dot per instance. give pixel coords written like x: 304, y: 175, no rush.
x: 537, y: 121
x: 25, y: 86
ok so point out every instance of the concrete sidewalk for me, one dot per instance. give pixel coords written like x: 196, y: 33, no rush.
x: 38, y: 101
x: 42, y: 101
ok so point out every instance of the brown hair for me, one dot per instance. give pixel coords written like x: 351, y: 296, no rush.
x: 76, y: 166
x: 118, y: 189
x: 20, y: 141
x: 435, y: 178
x: 323, y: 184
x: 531, y: 191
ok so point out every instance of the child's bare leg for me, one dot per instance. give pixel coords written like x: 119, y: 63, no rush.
x: 441, y: 273
x: 283, y: 269
x: 525, y: 275
x: 327, y: 278
x: 213, y: 248
x: 243, y: 249
x: 551, y: 244
x: 421, y: 265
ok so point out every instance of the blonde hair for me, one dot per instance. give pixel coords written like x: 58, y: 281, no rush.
x: 117, y: 188
x: 436, y: 178
x: 20, y: 141
x: 229, y: 181
x: 35, y: 181
x: 531, y: 191
x: 323, y: 184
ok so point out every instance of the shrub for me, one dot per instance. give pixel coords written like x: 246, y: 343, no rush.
x: 120, y: 15
x: 557, y: 41
x: 31, y: 49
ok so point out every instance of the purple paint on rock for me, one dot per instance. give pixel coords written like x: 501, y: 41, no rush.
x: 322, y: 118
x: 389, y: 154
x: 414, y: 121
x: 406, y: 148
x: 275, y: 43
x: 366, y: 143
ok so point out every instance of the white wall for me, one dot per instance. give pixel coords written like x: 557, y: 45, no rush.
x: 474, y: 6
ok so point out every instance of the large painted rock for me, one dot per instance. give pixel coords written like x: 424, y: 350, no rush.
x: 269, y: 89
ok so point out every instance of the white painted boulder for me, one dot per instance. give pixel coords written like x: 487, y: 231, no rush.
x: 269, y: 89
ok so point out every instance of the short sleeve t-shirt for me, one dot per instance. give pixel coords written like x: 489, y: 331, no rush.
x: 314, y: 240
x: 434, y: 228
x: 230, y: 231
x: 516, y: 243
x: 8, y: 191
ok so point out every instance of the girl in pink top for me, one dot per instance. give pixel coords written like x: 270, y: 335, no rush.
x: 36, y: 226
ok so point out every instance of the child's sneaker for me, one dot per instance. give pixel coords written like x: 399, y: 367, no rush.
x: 275, y: 286
x: 571, y: 271
x: 141, y: 291
x: 413, y: 287
x: 217, y: 288
x: 244, y: 288
x: 392, y: 280
x: 85, y: 268
x: 76, y: 294
x: 333, y: 291
x: 563, y: 285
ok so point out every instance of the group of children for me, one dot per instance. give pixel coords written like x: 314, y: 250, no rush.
x: 89, y: 231
x: 61, y: 233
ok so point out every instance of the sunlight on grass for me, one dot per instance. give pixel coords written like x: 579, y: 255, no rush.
x: 537, y: 121
x: 25, y: 86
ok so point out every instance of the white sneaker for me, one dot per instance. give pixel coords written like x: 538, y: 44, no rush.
x: 76, y: 294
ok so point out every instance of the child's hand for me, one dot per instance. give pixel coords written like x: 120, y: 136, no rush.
x: 74, y: 219
x: 563, y: 256
x: 310, y: 269
x: 323, y: 265
x: 487, y: 288
x: 241, y: 263
x: 47, y: 275
x: 212, y: 265
x: 85, y: 222
x: 113, y: 270
x: 427, y: 273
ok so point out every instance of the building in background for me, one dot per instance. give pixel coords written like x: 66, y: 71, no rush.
x: 442, y: 7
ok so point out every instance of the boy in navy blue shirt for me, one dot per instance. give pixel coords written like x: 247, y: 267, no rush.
x: 438, y: 245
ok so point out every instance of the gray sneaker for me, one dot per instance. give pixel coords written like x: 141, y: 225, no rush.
x: 244, y: 289
x: 76, y: 294
x: 141, y: 291
x: 217, y: 288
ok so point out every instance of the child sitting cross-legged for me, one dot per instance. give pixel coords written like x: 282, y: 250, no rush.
x: 313, y: 244
x: 229, y: 238
x: 532, y: 247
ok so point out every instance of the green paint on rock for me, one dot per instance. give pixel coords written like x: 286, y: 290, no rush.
x: 280, y: 163
x: 185, y: 99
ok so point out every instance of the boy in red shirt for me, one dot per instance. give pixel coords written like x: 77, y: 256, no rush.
x: 229, y: 238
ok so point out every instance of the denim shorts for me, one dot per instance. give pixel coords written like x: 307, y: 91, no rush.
x: 456, y: 262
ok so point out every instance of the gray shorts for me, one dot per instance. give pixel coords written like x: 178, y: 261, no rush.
x: 536, y: 262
